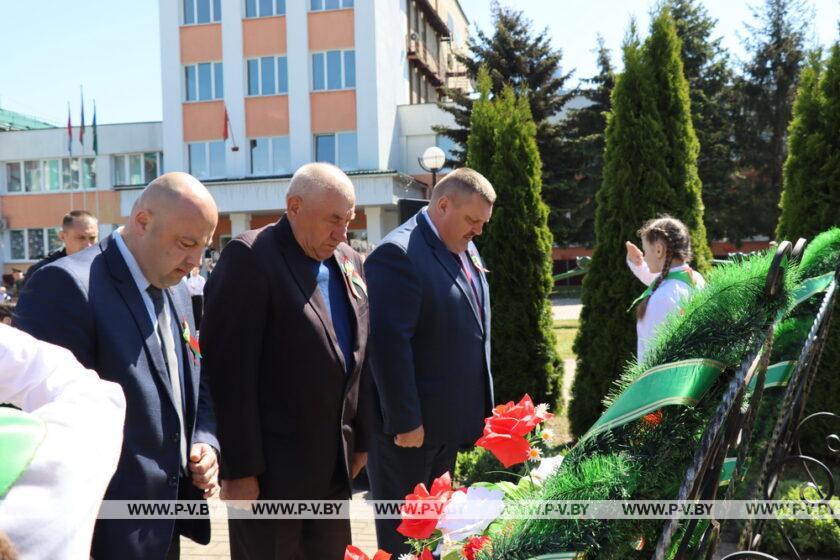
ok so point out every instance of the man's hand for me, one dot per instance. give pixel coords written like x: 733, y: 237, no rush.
x: 204, y: 468
x: 358, y: 462
x: 414, y: 438
x: 634, y: 254
x: 247, y: 488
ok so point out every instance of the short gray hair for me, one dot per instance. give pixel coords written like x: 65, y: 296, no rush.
x: 464, y: 182
x: 317, y: 178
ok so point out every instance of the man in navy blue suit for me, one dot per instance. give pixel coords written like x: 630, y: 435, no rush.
x: 122, y: 309
x: 430, y: 343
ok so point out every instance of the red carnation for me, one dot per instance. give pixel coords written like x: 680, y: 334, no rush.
x: 653, y: 419
x: 473, y: 546
x: 422, y: 509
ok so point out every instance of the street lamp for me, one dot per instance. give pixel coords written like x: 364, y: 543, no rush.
x: 432, y: 160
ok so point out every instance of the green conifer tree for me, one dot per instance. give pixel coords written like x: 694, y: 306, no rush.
x: 650, y: 168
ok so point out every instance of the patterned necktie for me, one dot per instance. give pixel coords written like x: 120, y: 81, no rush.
x: 167, y: 341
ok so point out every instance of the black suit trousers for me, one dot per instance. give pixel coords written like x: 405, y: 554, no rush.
x: 394, y: 472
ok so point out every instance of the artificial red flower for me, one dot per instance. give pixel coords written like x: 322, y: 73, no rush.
x: 653, y: 419
x: 427, y: 554
x: 422, y: 509
x: 355, y: 553
x: 473, y: 546
x: 505, y: 431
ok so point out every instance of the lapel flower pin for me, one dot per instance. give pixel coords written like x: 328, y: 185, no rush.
x: 476, y: 260
x: 353, y: 277
x: 192, y: 341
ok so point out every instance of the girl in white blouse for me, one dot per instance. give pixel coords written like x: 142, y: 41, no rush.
x: 666, y: 246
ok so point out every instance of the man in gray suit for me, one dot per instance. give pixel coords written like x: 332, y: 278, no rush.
x: 430, y: 343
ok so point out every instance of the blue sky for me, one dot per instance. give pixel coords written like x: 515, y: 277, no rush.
x: 51, y: 47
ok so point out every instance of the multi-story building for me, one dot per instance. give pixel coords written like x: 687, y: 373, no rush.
x: 252, y: 89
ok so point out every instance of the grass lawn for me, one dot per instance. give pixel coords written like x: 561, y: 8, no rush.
x: 565, y: 332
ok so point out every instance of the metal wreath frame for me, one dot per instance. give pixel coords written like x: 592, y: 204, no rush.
x: 732, y: 426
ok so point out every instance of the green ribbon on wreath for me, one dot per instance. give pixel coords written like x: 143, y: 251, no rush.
x: 679, y: 383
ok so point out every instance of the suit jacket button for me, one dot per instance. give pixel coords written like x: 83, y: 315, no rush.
x: 176, y: 437
x: 173, y: 481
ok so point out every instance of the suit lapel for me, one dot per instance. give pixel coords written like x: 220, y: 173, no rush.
x: 183, y: 312
x: 130, y: 293
x: 447, y: 260
x: 301, y: 268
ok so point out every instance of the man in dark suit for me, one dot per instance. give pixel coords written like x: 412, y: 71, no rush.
x: 285, y: 329
x: 79, y: 230
x: 430, y: 343
x: 121, y: 308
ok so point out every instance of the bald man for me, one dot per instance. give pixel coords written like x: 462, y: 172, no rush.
x: 284, y: 332
x: 121, y: 308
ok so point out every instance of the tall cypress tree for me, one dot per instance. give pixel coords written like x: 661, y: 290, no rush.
x: 811, y: 204
x: 581, y: 153
x: 766, y: 93
x: 710, y: 83
x: 502, y: 146
x: 805, y: 209
x: 650, y: 168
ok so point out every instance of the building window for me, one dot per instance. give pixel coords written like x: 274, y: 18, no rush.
x: 270, y: 156
x: 265, y: 8
x: 268, y: 75
x: 333, y: 70
x: 204, y: 81
x: 202, y: 11
x: 34, y: 243
x: 321, y: 5
x: 339, y: 149
x: 207, y: 159
x: 51, y: 175
x: 137, y: 169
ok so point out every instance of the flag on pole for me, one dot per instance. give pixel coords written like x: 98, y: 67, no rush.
x: 225, y: 132
x: 95, y: 138
x: 69, y: 131
x: 82, y: 125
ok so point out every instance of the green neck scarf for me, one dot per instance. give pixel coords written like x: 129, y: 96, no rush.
x: 682, y: 275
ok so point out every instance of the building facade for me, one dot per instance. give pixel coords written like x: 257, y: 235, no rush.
x: 251, y: 90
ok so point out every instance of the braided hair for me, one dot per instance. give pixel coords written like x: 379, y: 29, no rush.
x: 674, y: 235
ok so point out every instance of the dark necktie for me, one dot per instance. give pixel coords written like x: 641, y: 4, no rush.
x: 466, y: 270
x: 167, y: 341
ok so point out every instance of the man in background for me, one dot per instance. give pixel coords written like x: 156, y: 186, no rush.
x: 79, y: 230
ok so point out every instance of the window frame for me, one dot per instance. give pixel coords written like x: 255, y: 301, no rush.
x: 342, y: 5
x: 144, y: 180
x: 278, y: 81
x: 326, y: 70
x: 276, y: 9
x: 272, y: 170
x: 206, y: 145
x: 43, y: 173
x: 215, y: 12
x: 336, y: 147
x: 45, y: 239
x: 215, y: 66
